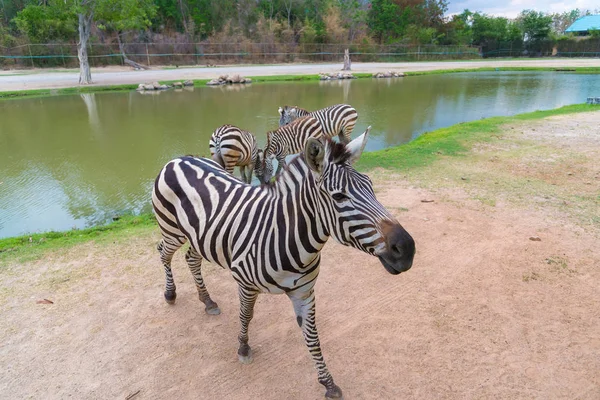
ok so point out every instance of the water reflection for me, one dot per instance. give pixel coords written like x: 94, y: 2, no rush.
x: 70, y: 161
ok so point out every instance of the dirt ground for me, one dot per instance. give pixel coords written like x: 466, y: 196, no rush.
x: 485, y: 312
x: 115, y: 75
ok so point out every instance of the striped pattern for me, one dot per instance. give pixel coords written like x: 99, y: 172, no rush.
x: 270, y: 236
x: 286, y: 140
x: 335, y: 120
x: 230, y: 147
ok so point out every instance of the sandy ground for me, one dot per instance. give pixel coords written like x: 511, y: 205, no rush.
x: 42, y: 79
x: 485, y: 312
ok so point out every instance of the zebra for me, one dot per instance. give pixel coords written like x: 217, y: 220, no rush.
x: 335, y: 120
x: 270, y: 236
x: 286, y: 140
x: 230, y: 147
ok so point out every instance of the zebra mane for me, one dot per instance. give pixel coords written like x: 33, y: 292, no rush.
x: 338, y: 154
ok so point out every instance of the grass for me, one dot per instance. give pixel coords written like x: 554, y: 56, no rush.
x: 454, y: 141
x: 30, y: 246
x: 570, y: 70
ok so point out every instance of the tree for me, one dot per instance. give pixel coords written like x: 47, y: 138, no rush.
x: 41, y: 23
x: 535, y: 25
x: 120, y: 16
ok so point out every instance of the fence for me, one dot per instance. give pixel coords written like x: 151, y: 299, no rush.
x: 545, y: 48
x: 65, y: 55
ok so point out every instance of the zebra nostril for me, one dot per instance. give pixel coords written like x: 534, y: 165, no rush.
x: 397, y: 249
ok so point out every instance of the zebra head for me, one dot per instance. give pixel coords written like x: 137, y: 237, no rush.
x: 288, y: 114
x: 351, y: 212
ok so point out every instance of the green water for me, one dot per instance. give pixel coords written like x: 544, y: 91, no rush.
x: 73, y: 161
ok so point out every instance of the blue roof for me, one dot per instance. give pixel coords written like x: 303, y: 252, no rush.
x: 585, y: 24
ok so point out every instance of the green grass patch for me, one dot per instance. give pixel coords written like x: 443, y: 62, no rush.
x: 455, y: 140
x: 569, y: 70
x: 35, y: 244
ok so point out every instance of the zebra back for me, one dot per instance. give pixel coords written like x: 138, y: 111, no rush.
x: 338, y: 119
x: 230, y: 147
x: 291, y: 138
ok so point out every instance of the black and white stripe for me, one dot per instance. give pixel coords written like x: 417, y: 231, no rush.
x: 286, y: 140
x: 230, y: 147
x: 270, y: 236
x: 335, y: 120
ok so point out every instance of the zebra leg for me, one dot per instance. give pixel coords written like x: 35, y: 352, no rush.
x: 247, y: 301
x: 249, y: 173
x: 166, y: 248
x: 194, y: 261
x: 243, y: 172
x: 304, y: 307
x: 280, y: 165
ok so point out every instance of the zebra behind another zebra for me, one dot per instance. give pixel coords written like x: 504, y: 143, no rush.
x: 335, y: 120
x: 270, y: 236
x: 286, y: 140
x: 230, y: 147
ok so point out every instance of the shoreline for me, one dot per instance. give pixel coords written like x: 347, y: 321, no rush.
x: 455, y: 140
x: 25, y: 83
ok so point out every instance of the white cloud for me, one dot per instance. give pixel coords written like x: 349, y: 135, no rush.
x: 512, y: 8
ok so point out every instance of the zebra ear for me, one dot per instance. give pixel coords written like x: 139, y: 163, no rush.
x: 280, y: 111
x: 356, y: 147
x: 314, y: 153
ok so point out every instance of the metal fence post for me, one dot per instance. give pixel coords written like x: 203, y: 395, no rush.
x: 147, y: 55
x: 30, y: 55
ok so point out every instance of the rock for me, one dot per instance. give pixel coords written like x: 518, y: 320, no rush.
x: 535, y: 239
x: 149, y: 86
x: 387, y: 75
x: 223, y: 77
x: 236, y: 78
x: 248, y: 80
x: 163, y: 87
x: 188, y: 83
x: 215, y: 82
x: 156, y: 85
x: 400, y: 74
x: 178, y: 84
x: 141, y: 87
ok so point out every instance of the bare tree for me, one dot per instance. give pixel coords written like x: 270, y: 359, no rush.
x: 288, y: 7
x: 85, y: 22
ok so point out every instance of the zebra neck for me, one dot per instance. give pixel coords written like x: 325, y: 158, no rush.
x: 297, y: 196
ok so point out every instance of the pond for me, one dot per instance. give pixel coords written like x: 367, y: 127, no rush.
x: 78, y: 160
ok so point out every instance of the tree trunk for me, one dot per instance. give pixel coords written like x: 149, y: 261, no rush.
x: 85, y: 76
x: 347, y: 65
x: 126, y: 60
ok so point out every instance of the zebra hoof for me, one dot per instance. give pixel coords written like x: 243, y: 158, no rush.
x: 213, y: 310
x: 245, y: 354
x: 333, y: 392
x: 170, y: 296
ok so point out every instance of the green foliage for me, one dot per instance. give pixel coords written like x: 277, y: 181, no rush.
x: 42, y: 23
x: 535, y: 25
x: 594, y: 33
x: 124, y: 15
x: 488, y: 29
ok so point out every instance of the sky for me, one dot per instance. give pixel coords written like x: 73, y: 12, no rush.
x: 511, y: 8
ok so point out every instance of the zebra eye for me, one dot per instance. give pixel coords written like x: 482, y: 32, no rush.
x: 339, y: 196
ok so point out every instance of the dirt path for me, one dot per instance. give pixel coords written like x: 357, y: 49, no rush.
x: 42, y: 79
x: 485, y: 312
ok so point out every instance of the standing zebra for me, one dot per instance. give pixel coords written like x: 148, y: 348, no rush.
x: 335, y: 120
x: 271, y: 236
x: 286, y: 140
x: 230, y: 147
